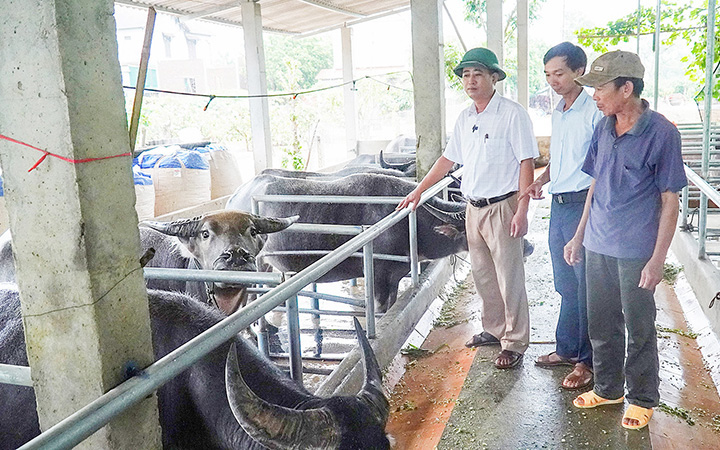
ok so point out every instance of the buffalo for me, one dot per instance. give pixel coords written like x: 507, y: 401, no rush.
x: 234, y: 398
x: 440, y: 233
x: 219, y: 240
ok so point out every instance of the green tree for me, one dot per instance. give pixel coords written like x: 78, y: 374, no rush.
x: 682, y: 21
x: 292, y: 65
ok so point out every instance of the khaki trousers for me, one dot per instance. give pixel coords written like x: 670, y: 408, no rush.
x: 499, y: 273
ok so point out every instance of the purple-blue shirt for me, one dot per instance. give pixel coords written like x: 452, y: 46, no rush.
x: 630, y: 172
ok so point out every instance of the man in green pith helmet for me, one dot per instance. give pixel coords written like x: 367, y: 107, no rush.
x: 493, y: 138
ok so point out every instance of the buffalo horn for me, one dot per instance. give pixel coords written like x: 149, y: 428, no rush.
x: 402, y: 167
x: 266, y: 225
x: 449, y: 212
x: 184, y: 228
x: 372, y: 391
x: 274, y: 426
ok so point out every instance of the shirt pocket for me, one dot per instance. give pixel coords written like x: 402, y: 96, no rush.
x: 635, y: 173
x: 497, y: 151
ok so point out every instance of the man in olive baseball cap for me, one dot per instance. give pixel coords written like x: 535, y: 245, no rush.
x: 612, y: 65
x: 635, y: 161
x: 480, y: 57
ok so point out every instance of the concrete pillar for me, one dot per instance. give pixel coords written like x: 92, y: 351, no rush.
x: 429, y: 82
x: 495, y: 35
x: 257, y: 84
x: 74, y: 225
x: 349, y: 91
x: 523, y: 75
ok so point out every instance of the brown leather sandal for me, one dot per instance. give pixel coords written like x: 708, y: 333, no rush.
x: 512, y: 357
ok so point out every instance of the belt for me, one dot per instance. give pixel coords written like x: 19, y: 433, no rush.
x: 482, y: 202
x: 570, y: 197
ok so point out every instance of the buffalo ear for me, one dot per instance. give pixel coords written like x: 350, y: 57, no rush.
x: 448, y: 230
x: 265, y: 225
x: 185, y: 228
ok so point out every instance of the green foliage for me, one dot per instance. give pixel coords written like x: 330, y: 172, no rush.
x: 453, y: 55
x: 677, y: 21
x: 307, y: 57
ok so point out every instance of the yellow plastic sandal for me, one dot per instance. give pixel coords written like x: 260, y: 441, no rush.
x: 591, y: 400
x: 635, y: 412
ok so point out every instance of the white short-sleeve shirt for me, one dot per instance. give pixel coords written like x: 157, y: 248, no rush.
x: 491, y: 144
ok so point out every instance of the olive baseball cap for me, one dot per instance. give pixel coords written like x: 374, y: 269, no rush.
x: 612, y: 65
x: 480, y: 57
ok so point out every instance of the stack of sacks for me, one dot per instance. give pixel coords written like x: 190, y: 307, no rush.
x: 181, y: 177
x: 224, y: 171
x: 144, y: 194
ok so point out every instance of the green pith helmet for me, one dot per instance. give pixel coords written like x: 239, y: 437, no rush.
x: 480, y: 57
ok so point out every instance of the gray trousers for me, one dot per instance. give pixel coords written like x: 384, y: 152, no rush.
x: 616, y: 303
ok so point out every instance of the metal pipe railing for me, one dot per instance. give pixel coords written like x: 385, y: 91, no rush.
x: 708, y: 192
x: 77, y: 427
x: 19, y: 375
x: 293, y: 320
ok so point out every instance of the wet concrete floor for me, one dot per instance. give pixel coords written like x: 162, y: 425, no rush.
x: 455, y: 398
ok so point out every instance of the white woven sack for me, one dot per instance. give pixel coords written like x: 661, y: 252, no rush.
x: 145, y: 201
x: 224, y: 172
x: 179, y: 188
x: 4, y: 219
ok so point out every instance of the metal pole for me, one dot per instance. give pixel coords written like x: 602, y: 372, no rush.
x: 657, y: 55
x: 142, y: 75
x: 638, y: 28
x: 293, y: 319
x: 685, y: 207
x: 709, y: 62
x: 369, y: 269
x: 315, y: 304
x: 414, y: 265
x: 457, y: 31
x: 18, y: 375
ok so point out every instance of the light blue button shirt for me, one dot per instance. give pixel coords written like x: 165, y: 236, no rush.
x: 572, y: 132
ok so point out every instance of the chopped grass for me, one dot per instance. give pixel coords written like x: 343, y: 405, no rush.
x: 687, y: 334
x: 671, y: 272
x: 677, y: 412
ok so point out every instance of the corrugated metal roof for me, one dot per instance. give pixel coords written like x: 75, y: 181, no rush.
x: 286, y: 16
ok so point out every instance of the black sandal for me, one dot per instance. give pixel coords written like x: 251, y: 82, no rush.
x: 481, y: 339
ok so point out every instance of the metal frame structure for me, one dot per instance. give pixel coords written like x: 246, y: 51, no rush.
x: 709, y: 134
x: 77, y: 427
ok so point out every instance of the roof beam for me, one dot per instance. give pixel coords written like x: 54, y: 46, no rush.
x: 332, y: 7
x: 209, y: 11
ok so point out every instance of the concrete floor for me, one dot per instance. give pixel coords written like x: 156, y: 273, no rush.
x: 456, y: 399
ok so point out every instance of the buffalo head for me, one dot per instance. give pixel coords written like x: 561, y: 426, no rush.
x: 339, y: 422
x: 224, y: 240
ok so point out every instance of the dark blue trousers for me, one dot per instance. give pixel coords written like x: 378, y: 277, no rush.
x: 571, y: 333
x: 617, y: 304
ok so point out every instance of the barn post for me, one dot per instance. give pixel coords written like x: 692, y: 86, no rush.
x: 74, y: 226
x: 523, y: 54
x: 257, y: 84
x: 428, y: 82
x: 495, y: 37
x: 349, y: 91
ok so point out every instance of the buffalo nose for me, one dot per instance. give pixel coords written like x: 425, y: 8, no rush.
x: 237, y: 256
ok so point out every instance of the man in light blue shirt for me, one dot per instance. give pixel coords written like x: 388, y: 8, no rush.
x: 573, y: 123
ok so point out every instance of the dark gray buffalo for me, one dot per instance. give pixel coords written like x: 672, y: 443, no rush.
x: 437, y: 237
x: 258, y: 407
x: 220, y: 240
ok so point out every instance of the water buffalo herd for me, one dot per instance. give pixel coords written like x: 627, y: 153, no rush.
x: 235, y: 398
